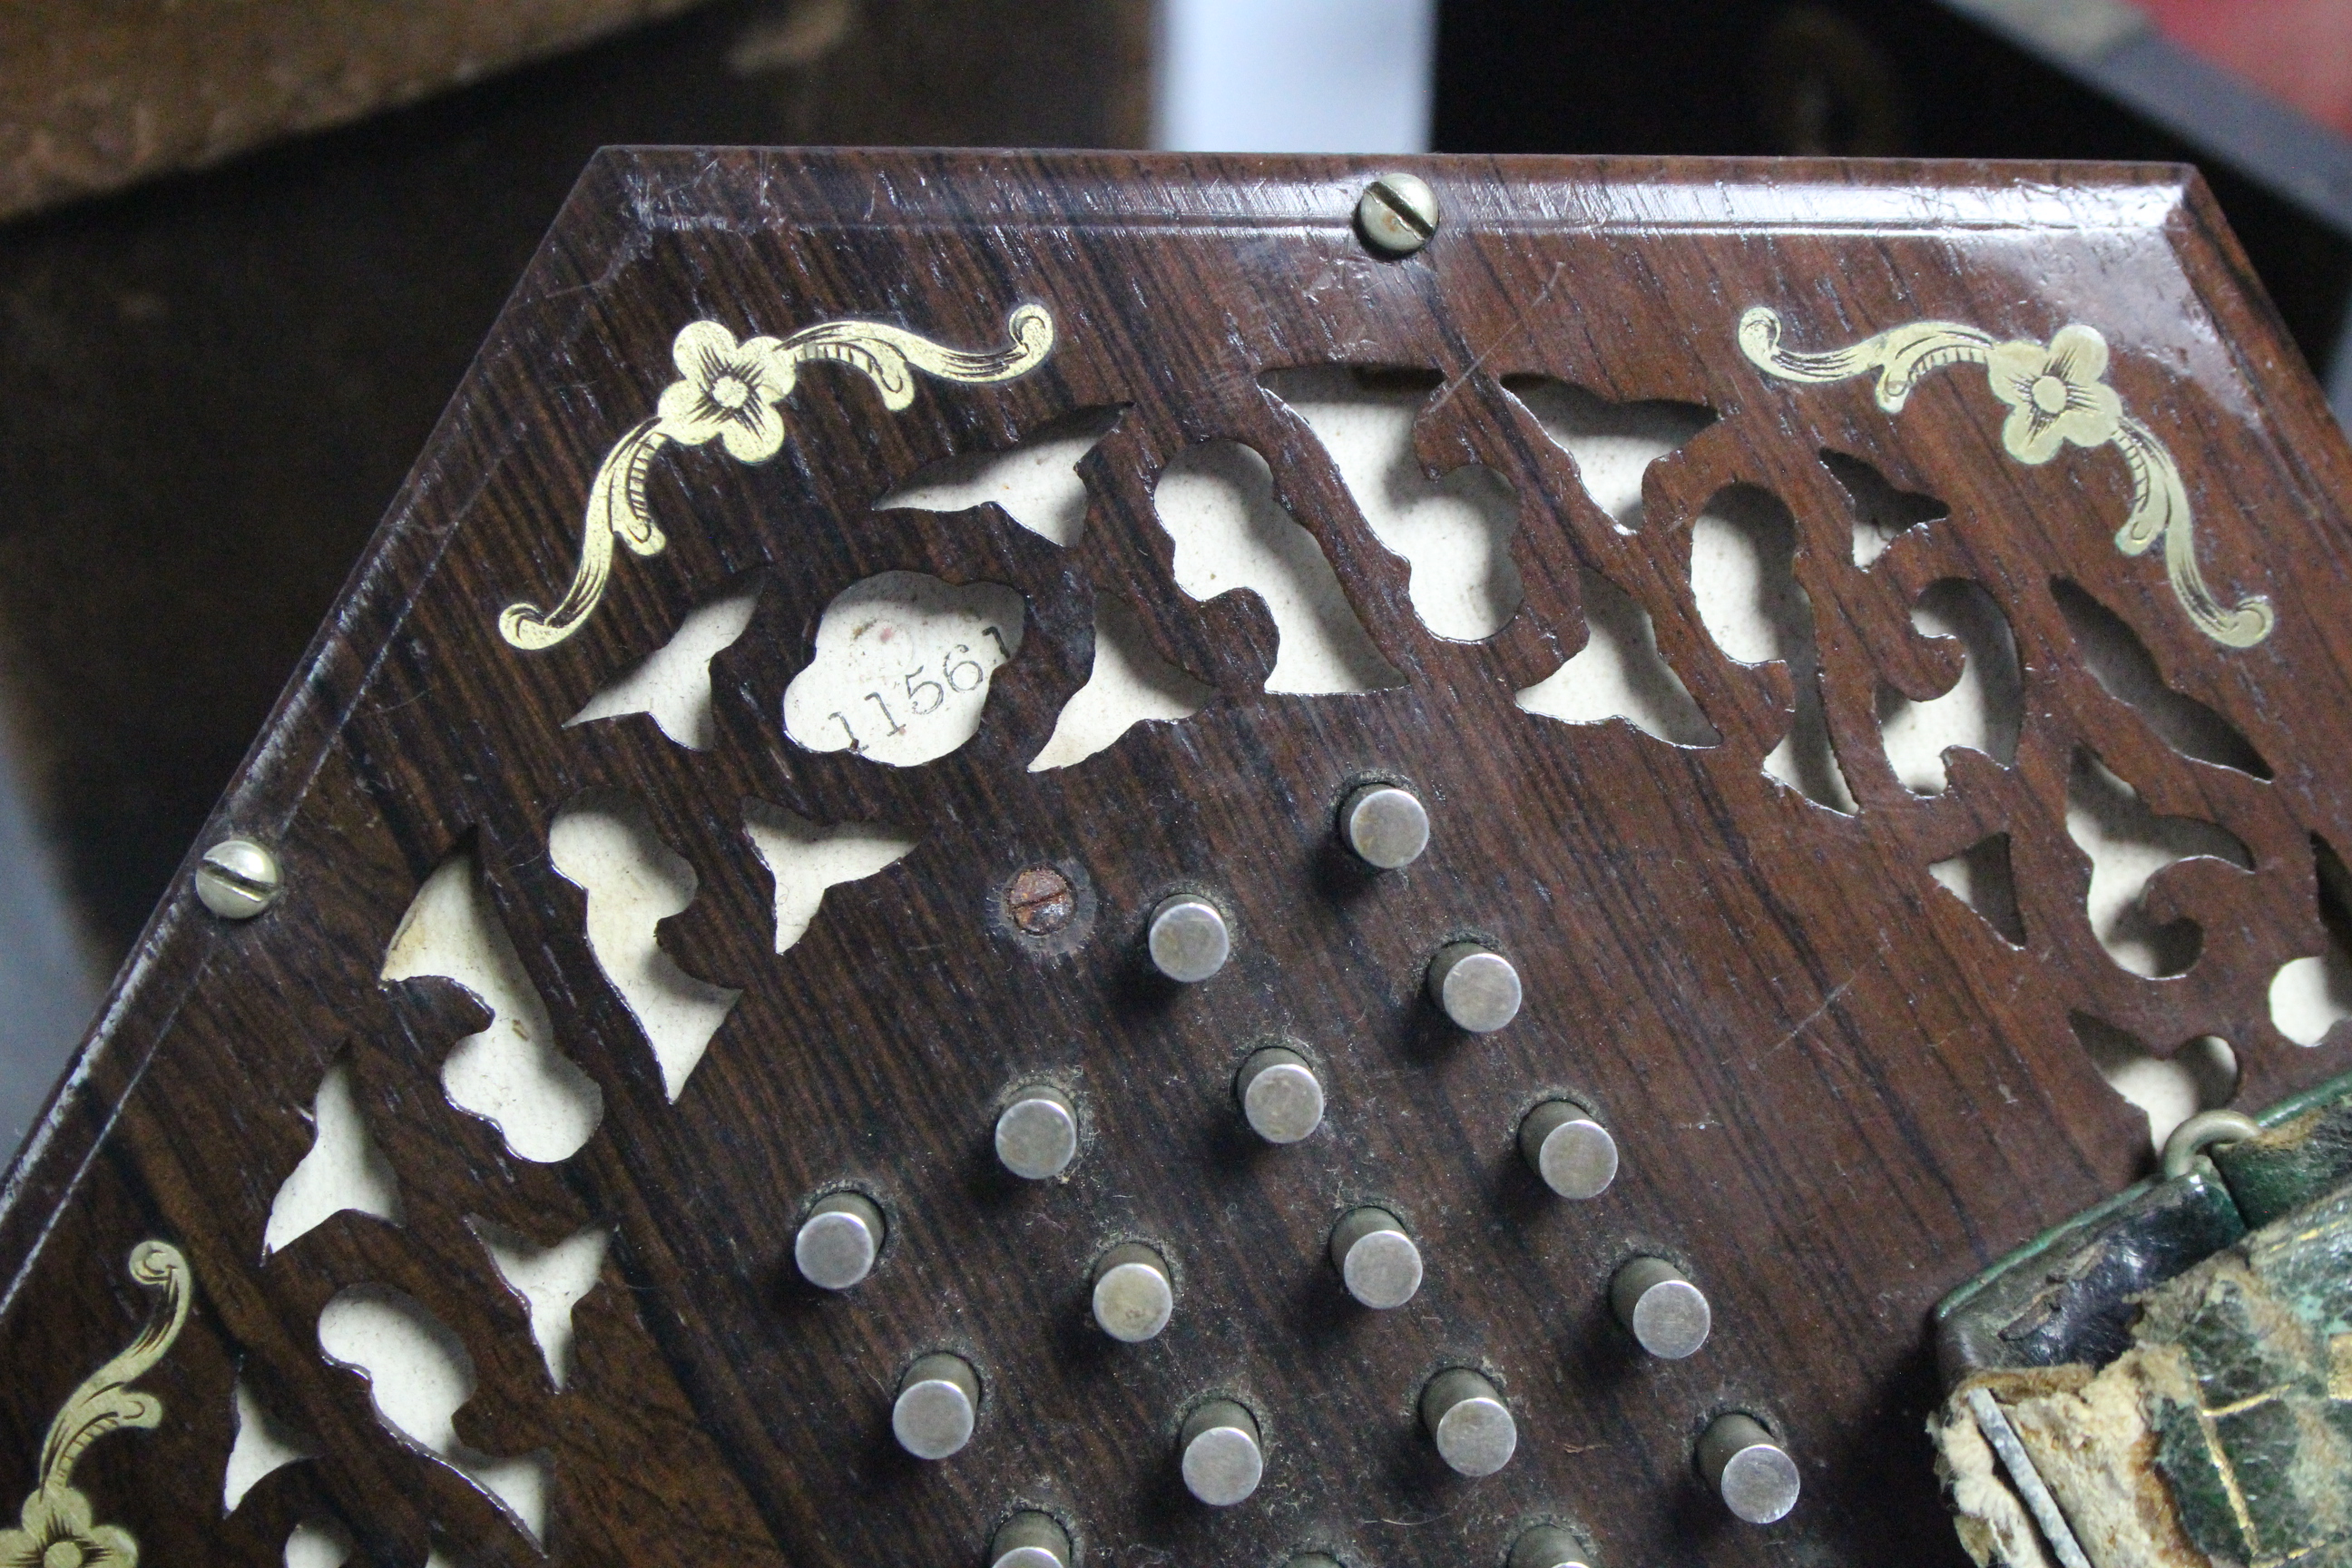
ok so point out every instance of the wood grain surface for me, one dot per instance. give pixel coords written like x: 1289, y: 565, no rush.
x: 1839, y: 1091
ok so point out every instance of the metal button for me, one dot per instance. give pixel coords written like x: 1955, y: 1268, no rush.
x: 1549, y: 1546
x: 1222, y: 1462
x: 839, y: 1242
x: 1133, y: 1298
x: 939, y: 1400
x: 1029, y: 1540
x: 1465, y: 1414
x: 1573, y: 1153
x: 238, y: 879
x: 1398, y: 214
x: 1666, y: 1312
x: 1753, y: 1475
x: 1386, y: 825
x: 1477, y: 987
x: 1281, y: 1098
x: 1188, y: 939
x: 1038, y: 1135
x: 1376, y: 1260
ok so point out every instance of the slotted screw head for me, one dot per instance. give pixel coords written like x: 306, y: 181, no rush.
x: 1753, y: 1475
x: 1397, y: 213
x: 238, y: 879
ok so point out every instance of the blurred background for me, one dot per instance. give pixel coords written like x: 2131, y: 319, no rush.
x: 248, y: 246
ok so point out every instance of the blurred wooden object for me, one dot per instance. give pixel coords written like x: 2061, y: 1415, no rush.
x: 96, y: 97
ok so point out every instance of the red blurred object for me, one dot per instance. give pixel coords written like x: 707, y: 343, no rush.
x: 2298, y: 51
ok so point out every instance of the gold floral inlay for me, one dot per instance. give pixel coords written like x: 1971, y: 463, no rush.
x: 729, y: 392
x: 2057, y: 397
x: 58, y: 1528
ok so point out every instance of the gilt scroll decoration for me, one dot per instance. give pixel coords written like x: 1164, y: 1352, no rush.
x: 2057, y: 395
x: 729, y: 391
x: 58, y: 1528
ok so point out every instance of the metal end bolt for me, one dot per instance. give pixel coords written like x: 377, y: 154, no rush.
x: 1549, y: 1546
x: 1386, y: 825
x: 1038, y: 1135
x: 1753, y: 1475
x: 839, y: 1240
x: 1223, y: 1463
x: 1377, y: 1260
x: 1281, y: 1098
x: 1397, y: 213
x: 238, y: 879
x: 1474, y: 986
x: 1030, y: 1540
x: 1473, y: 1427
x: 1133, y: 1298
x: 937, y: 1403
x: 1574, y: 1154
x: 1666, y: 1314
x: 1188, y: 939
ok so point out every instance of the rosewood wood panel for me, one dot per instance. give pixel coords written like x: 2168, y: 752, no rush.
x: 1840, y: 1090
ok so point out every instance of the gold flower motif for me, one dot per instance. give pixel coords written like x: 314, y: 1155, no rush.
x: 57, y: 1533
x: 2056, y: 395
x: 731, y: 390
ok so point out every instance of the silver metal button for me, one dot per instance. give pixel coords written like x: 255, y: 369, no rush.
x: 1477, y: 987
x: 1397, y: 213
x: 939, y: 1400
x: 1133, y: 1298
x: 1667, y: 1313
x: 1188, y: 939
x: 1549, y: 1546
x: 1573, y: 1153
x: 1386, y: 825
x: 1465, y: 1414
x: 1753, y: 1475
x: 1378, y: 1261
x: 1038, y: 1135
x: 839, y: 1240
x: 1281, y: 1098
x: 1222, y: 1462
x: 1030, y: 1540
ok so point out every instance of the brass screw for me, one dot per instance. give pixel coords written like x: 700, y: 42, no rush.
x: 238, y: 879
x: 1041, y: 901
x: 1398, y: 214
